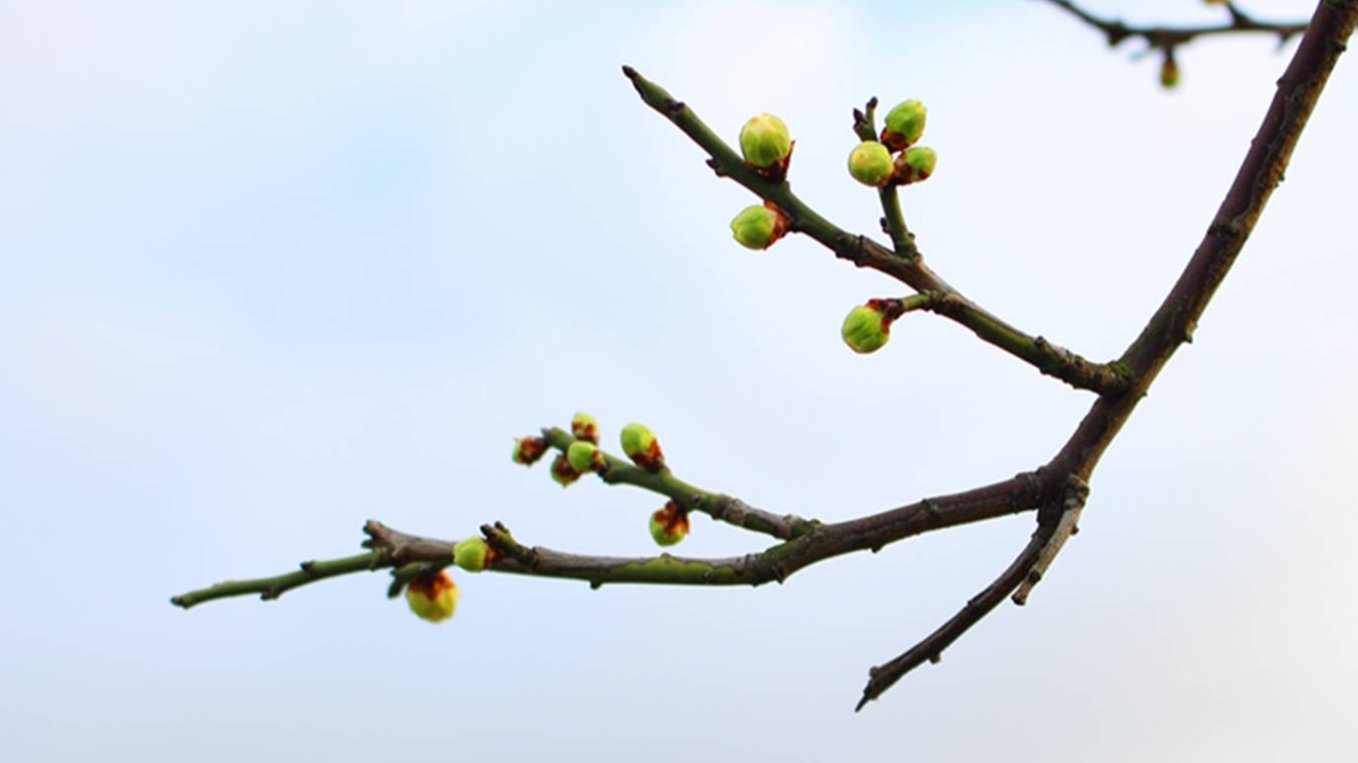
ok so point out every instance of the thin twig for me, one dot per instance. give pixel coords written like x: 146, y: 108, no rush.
x: 1168, y: 37
x: 1077, y: 492
x: 930, y: 649
x: 722, y: 508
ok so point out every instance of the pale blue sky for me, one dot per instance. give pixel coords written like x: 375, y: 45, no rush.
x: 268, y: 270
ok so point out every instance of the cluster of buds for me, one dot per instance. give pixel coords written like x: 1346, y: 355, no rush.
x: 867, y: 327
x: 871, y: 162
x: 669, y: 524
x: 432, y: 596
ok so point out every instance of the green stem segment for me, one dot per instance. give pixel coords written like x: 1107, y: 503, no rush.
x: 272, y: 588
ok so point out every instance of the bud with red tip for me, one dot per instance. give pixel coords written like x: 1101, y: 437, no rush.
x: 867, y: 327
x: 527, y: 450
x: 870, y: 163
x: 669, y: 525
x: 584, y: 427
x: 586, y: 457
x: 432, y: 596
x: 904, y: 125
x: 474, y: 554
x: 765, y: 142
x: 562, y: 471
x: 758, y: 227
x: 915, y: 164
x: 640, y: 445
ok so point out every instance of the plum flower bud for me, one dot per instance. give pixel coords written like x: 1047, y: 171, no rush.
x: 870, y: 163
x: 527, y: 450
x: 758, y: 227
x: 868, y: 326
x: 585, y: 457
x: 640, y: 445
x: 904, y: 125
x: 562, y: 471
x: 584, y: 427
x: 765, y: 142
x: 669, y: 525
x: 916, y: 164
x: 432, y: 596
x: 474, y: 554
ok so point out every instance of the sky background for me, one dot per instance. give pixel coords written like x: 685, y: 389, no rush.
x: 270, y: 269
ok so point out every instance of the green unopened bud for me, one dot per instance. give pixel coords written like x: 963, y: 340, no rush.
x: 527, y: 450
x: 870, y: 163
x: 640, y: 445
x: 432, y: 596
x: 562, y: 471
x: 916, y: 164
x: 867, y: 327
x: 669, y: 525
x: 585, y: 457
x: 904, y: 125
x: 765, y: 142
x: 474, y: 554
x: 584, y: 427
x: 757, y: 227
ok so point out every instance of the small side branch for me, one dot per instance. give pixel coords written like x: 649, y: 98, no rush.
x: 271, y: 588
x: 1076, y: 494
x: 931, y: 648
x: 1167, y: 37
x: 722, y: 508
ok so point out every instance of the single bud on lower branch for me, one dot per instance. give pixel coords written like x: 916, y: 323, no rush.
x: 669, y: 525
x: 758, y: 227
x: 562, y: 471
x: 870, y: 163
x: 904, y: 125
x: 585, y: 457
x: 527, y: 450
x: 640, y: 445
x: 916, y: 164
x: 868, y: 327
x: 1169, y: 71
x: 474, y: 554
x: 432, y: 596
x: 765, y: 142
x: 584, y: 427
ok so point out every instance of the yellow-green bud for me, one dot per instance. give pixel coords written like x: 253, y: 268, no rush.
x: 432, y: 596
x: 527, y: 450
x: 584, y: 427
x: 867, y: 327
x: 640, y: 445
x: 765, y: 142
x: 916, y: 164
x: 585, y: 457
x: 669, y: 525
x: 474, y: 554
x: 755, y: 227
x: 562, y: 471
x: 904, y: 125
x: 870, y: 163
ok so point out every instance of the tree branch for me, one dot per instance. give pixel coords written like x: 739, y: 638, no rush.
x: 1167, y: 37
x: 722, y: 508
x: 864, y: 252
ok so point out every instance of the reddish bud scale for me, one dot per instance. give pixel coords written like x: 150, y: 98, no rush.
x: 432, y: 596
x: 584, y: 427
x: 669, y: 525
x: 527, y: 450
x: 563, y: 472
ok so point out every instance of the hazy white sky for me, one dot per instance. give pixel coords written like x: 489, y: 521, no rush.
x: 267, y: 270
